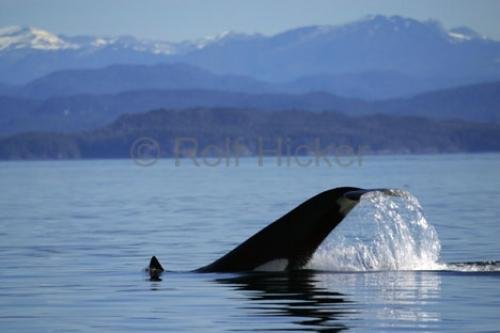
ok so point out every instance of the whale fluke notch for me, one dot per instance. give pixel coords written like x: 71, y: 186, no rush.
x: 155, y: 269
x: 293, y: 238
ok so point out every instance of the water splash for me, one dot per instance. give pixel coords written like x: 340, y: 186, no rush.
x: 382, y: 233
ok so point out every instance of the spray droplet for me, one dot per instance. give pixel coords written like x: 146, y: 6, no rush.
x: 381, y: 233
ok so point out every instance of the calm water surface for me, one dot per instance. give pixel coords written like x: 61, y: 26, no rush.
x: 75, y: 237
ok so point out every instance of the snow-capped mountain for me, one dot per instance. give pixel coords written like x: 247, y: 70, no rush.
x: 16, y: 37
x: 91, y: 43
x: 27, y: 53
x: 420, y: 50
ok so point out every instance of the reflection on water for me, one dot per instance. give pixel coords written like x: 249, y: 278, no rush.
x: 332, y: 302
x: 297, y: 296
x: 391, y: 299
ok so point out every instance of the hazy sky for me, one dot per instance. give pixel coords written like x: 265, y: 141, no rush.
x: 189, y: 19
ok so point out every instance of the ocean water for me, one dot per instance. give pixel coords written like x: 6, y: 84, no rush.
x: 76, y: 236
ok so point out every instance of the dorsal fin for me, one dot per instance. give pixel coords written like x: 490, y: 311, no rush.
x: 154, y: 264
x: 155, y: 269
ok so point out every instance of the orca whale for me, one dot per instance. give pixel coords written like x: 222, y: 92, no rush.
x: 289, y: 242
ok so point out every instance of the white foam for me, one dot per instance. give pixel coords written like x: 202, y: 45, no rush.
x: 382, y: 233
x: 480, y: 266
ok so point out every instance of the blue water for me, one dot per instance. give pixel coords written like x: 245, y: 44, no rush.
x: 76, y: 236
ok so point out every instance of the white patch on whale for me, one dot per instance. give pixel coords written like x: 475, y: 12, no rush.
x: 276, y: 265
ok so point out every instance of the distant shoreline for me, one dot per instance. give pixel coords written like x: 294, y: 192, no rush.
x: 225, y: 133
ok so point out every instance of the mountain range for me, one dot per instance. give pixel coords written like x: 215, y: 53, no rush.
x: 374, y: 58
x: 476, y: 103
x: 122, y: 78
x: 435, y: 89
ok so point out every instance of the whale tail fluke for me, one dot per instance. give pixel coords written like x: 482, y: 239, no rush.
x: 289, y: 242
x: 155, y: 269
